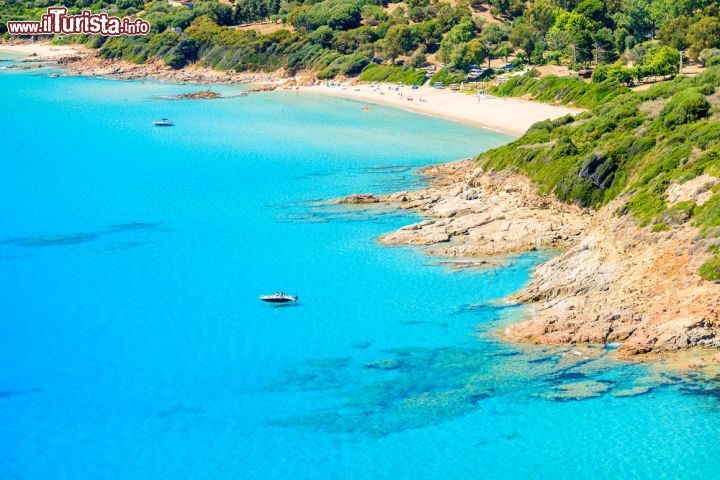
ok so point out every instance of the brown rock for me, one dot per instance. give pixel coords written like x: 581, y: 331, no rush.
x: 358, y: 199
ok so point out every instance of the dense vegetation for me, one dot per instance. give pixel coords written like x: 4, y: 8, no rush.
x: 631, y: 147
x: 628, y: 40
x: 565, y: 90
x: 392, y: 74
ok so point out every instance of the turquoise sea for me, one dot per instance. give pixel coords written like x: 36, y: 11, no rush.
x: 133, y: 344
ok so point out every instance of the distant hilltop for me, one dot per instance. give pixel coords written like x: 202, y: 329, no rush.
x: 417, y: 41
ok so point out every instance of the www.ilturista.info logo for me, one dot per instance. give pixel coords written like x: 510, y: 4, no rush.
x: 57, y: 22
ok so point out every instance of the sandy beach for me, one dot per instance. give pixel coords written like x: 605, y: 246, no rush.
x: 43, y: 49
x: 507, y: 115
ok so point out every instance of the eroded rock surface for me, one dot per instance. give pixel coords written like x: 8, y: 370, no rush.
x: 616, y: 282
x: 624, y: 283
x: 479, y: 214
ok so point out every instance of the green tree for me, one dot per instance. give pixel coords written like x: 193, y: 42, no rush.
x: 349, y: 41
x: 218, y: 12
x: 344, y: 17
x: 635, y: 17
x: 572, y: 31
x: 703, y: 34
x: 491, y: 38
x: 430, y: 33
x: 418, y: 58
x: 323, y: 35
x: 477, y: 52
x: 593, y: 10
x: 503, y: 51
x: 661, y: 61
x: 540, y: 15
x: 524, y: 37
x: 373, y: 14
x: 674, y: 32
x: 460, y: 33
x: 604, y: 46
x: 398, y: 41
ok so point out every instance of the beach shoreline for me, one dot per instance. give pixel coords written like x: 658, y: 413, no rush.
x: 505, y: 115
x: 510, y: 116
x: 43, y: 49
x: 471, y: 213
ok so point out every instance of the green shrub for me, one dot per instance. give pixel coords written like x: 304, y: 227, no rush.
x: 709, y: 55
x: 614, y: 149
x: 660, y: 227
x: 710, y: 270
x: 678, y: 213
x: 566, y: 90
x: 685, y: 107
x: 713, y: 61
x: 708, y: 214
x: 448, y: 76
x: 345, y: 65
x: 392, y: 74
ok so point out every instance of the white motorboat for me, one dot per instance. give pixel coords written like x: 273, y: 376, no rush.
x: 279, y: 298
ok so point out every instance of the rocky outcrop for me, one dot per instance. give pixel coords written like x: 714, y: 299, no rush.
x: 94, y: 66
x: 201, y: 95
x: 473, y: 213
x: 698, y: 190
x: 623, y: 283
x: 264, y: 88
x: 615, y: 281
x: 358, y: 199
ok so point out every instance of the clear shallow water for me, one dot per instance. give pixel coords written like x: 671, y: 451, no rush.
x: 133, y: 344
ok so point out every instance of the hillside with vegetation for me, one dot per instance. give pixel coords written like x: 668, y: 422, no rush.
x: 633, y: 146
x: 627, y: 41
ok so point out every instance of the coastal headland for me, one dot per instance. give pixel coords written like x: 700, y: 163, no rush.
x: 614, y: 283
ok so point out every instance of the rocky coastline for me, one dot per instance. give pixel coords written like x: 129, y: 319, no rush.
x: 614, y: 282
x: 90, y: 65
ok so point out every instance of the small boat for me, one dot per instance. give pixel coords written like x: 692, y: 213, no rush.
x: 163, y: 123
x: 279, y: 298
x: 55, y: 75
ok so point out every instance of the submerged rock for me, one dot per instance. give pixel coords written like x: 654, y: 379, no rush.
x: 577, y: 391
x: 632, y: 392
x: 385, y: 364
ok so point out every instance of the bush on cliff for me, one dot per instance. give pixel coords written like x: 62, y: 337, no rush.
x: 345, y: 65
x: 616, y: 148
x: 392, y: 74
x: 708, y: 215
x: 565, y: 90
x: 620, y: 148
x: 685, y: 107
x: 710, y: 270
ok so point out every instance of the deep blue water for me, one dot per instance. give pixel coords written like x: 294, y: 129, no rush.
x: 133, y: 344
